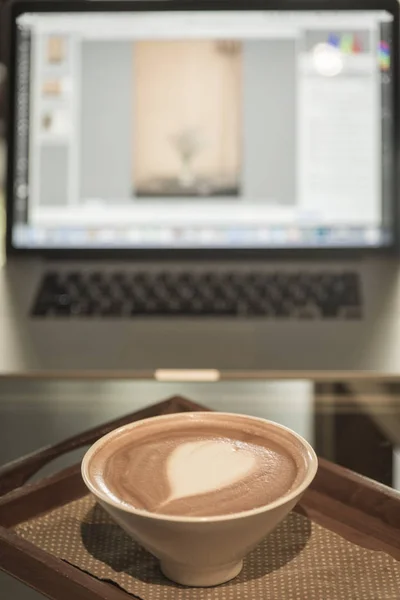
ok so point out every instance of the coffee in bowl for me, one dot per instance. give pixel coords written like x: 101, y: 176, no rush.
x: 198, y: 467
x: 199, y: 490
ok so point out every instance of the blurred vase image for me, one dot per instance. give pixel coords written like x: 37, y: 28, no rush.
x: 188, y: 145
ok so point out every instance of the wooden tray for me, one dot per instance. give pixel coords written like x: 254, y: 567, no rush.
x: 360, y: 510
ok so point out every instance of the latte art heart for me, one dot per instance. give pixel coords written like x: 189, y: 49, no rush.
x: 201, y: 469
x: 205, y: 466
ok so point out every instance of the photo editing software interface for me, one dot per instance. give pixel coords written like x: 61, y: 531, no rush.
x: 254, y: 129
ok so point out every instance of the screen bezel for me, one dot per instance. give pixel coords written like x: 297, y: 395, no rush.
x: 18, y: 7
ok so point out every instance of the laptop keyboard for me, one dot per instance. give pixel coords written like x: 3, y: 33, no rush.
x: 284, y: 295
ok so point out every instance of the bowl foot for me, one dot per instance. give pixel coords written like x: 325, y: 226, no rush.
x: 200, y: 576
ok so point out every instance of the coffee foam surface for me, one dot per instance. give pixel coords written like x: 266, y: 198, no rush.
x: 199, y: 465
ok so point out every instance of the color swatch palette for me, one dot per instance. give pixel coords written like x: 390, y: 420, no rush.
x: 384, y: 56
x: 347, y: 43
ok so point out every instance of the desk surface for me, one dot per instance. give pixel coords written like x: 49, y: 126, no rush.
x: 355, y: 424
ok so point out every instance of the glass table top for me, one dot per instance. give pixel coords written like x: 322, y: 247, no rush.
x: 355, y: 424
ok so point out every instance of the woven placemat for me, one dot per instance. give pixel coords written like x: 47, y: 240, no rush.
x: 298, y: 561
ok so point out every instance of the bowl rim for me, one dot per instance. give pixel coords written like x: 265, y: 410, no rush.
x: 312, y: 467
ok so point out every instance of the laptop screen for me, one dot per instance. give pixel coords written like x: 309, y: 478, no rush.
x: 250, y: 129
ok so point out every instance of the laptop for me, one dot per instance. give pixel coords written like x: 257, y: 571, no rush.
x: 202, y: 190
